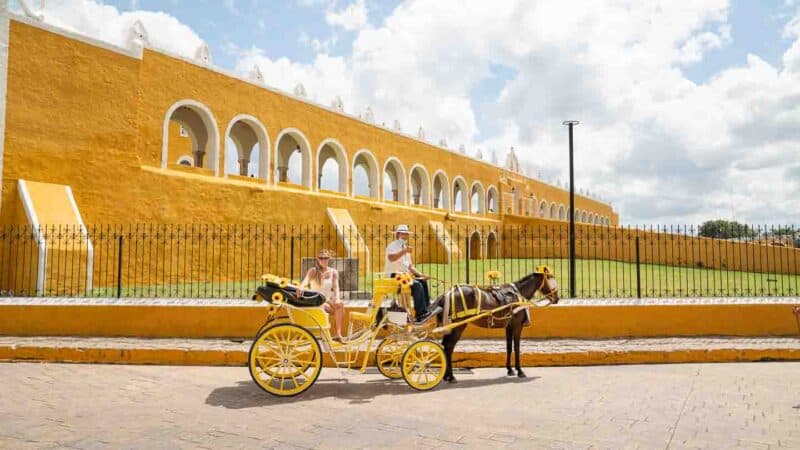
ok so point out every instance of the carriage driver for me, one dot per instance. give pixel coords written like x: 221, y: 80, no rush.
x: 398, y: 260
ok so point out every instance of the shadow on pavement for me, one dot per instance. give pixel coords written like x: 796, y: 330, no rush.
x: 247, y: 395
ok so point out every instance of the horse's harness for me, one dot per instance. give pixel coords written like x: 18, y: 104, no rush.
x: 518, y: 297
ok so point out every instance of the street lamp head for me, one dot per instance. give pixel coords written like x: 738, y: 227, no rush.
x: 570, y: 122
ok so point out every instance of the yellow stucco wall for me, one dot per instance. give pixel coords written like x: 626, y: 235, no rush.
x: 92, y: 118
x: 585, y: 322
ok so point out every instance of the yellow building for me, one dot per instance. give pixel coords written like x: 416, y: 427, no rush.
x: 96, y: 134
x: 91, y: 133
x: 140, y: 136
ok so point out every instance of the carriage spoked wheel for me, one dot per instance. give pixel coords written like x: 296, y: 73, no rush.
x: 285, y: 359
x: 388, y: 356
x: 423, y: 365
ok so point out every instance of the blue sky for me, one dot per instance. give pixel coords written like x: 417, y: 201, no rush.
x: 686, y: 107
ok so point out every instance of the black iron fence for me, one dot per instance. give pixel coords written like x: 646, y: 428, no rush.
x: 227, y: 261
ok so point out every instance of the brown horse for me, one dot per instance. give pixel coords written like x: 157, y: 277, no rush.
x: 489, y: 299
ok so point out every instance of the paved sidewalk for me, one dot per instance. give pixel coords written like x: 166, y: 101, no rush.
x: 754, y: 406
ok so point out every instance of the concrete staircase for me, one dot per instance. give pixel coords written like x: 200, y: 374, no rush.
x: 450, y: 248
x: 351, y: 238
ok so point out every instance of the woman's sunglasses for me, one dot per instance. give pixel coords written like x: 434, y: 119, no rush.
x: 324, y: 258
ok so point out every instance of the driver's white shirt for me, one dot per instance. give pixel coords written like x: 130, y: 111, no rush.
x: 401, y: 264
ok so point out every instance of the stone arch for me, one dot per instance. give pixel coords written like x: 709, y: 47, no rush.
x: 331, y: 149
x: 364, y: 159
x: 199, y: 123
x: 475, y: 245
x: 289, y: 142
x: 597, y: 220
x: 491, y: 200
x: 590, y: 219
x: 394, y: 172
x: 460, y: 199
x: 543, y: 209
x: 245, y: 131
x: 553, y: 211
x: 477, y: 200
x: 562, y: 213
x: 441, y: 190
x: 185, y: 160
x: 419, y: 186
x: 492, y: 246
x: 583, y: 216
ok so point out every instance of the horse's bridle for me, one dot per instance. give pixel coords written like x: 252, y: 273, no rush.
x: 549, y: 296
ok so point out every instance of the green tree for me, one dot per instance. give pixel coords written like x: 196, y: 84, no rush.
x: 725, y: 229
x: 783, y: 231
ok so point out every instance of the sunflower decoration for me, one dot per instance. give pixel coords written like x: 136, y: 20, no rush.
x: 283, y: 283
x: 277, y: 297
x: 494, y: 276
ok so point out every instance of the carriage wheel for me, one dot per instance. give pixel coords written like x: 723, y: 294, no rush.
x: 285, y: 360
x: 388, y: 357
x: 423, y: 365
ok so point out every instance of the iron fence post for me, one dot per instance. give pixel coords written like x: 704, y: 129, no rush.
x: 468, y: 257
x: 638, y: 272
x: 291, y: 258
x: 119, y: 267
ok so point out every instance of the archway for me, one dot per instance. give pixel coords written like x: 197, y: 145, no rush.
x: 460, y: 200
x: 491, y: 200
x: 394, y: 181
x: 477, y: 201
x: 420, y: 186
x: 293, y: 158
x: 365, y: 175
x: 492, y: 246
x: 553, y: 211
x: 583, y: 216
x: 441, y: 191
x: 332, y: 166
x: 196, y: 120
x: 562, y: 213
x: 475, y: 246
x: 543, y: 209
x: 247, y: 147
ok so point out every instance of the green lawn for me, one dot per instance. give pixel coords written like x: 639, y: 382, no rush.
x: 593, y: 279
x: 598, y: 278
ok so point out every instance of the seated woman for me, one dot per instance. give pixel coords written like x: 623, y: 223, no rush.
x: 325, y: 280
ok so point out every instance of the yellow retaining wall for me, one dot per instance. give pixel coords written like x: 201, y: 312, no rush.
x: 588, y: 322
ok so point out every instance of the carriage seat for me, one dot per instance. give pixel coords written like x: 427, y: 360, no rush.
x: 270, y: 291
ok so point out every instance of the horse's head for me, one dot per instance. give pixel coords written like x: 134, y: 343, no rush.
x: 543, y: 280
x: 549, y: 287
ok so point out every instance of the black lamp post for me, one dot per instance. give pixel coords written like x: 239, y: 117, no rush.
x: 572, y: 287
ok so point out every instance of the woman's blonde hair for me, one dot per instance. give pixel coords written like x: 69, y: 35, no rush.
x: 324, y: 253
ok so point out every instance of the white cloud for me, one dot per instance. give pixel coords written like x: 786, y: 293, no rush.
x: 352, y: 17
x: 108, y: 24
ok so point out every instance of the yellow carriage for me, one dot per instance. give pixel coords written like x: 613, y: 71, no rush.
x: 289, y: 350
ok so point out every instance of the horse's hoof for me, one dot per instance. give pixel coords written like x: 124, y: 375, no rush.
x: 511, y: 372
x: 521, y: 374
x: 450, y: 379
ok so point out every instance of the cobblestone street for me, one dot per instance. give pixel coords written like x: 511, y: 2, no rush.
x: 645, y: 406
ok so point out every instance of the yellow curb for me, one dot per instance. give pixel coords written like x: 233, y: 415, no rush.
x: 183, y: 357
